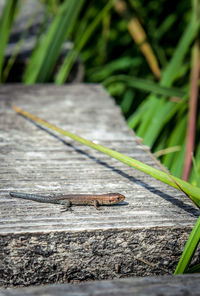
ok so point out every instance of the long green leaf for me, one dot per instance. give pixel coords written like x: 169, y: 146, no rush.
x: 98, y: 74
x: 189, y: 249
x: 71, y: 56
x: 127, y: 100
x: 145, y: 85
x: 135, y: 118
x: 6, y: 22
x: 177, y: 165
x: 173, y: 67
x: 153, y: 105
x: 194, y: 269
x: 152, y: 116
x: 45, y: 56
x: 176, y: 138
x: 165, y: 114
x: 18, y: 46
x: 192, y: 191
x: 195, y: 173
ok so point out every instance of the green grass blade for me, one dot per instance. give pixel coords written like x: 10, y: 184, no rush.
x: 18, y: 46
x: 72, y: 55
x: 161, y: 148
x: 153, y: 105
x: 176, y: 138
x: 188, y: 36
x: 6, y: 22
x: 165, y: 26
x: 193, y: 269
x: 189, y: 249
x: 152, y: 116
x: 192, y: 191
x: 116, y: 89
x: 98, y: 74
x: 45, y: 56
x: 177, y: 165
x: 195, y: 173
x: 145, y: 85
x: 135, y: 118
x: 165, y: 114
x: 127, y: 100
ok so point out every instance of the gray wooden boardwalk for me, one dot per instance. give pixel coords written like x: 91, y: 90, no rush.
x: 41, y: 243
x: 181, y: 285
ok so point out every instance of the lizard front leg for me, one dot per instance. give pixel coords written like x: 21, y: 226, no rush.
x: 96, y: 204
x: 66, y: 203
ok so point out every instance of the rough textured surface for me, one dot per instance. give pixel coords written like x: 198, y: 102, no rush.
x: 184, y: 285
x: 41, y: 243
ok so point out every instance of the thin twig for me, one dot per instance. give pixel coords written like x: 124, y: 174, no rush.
x: 191, y: 128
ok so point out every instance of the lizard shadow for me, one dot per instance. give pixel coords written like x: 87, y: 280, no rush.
x: 187, y: 208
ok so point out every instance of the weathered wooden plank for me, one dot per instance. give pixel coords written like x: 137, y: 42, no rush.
x: 145, y: 286
x: 143, y: 236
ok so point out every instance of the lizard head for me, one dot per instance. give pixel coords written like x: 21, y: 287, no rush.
x: 114, y: 198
